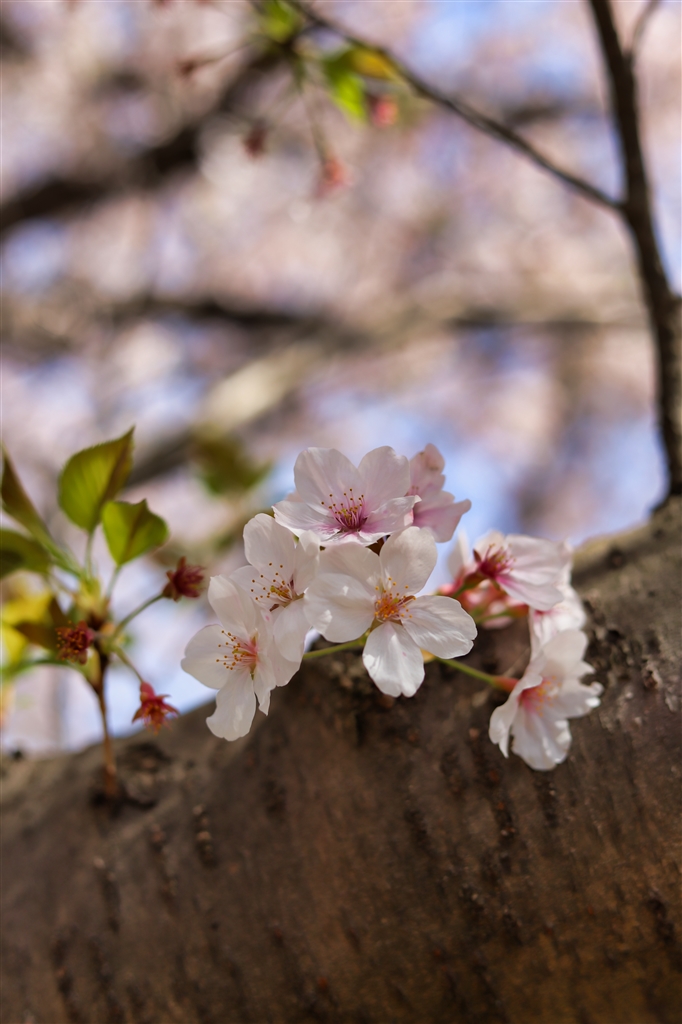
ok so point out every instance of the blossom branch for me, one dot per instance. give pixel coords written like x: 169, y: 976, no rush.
x: 352, y: 645
x: 488, y: 125
x: 497, y: 682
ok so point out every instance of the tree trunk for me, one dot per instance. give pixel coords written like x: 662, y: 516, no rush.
x: 353, y: 861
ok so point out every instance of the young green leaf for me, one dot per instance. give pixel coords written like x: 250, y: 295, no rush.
x: 345, y: 86
x: 131, y: 530
x: 371, y: 63
x: 38, y: 633
x: 279, y: 21
x: 93, y: 477
x: 19, y: 506
x: 20, y: 552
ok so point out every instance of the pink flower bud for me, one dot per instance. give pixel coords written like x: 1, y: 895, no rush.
x: 153, y: 708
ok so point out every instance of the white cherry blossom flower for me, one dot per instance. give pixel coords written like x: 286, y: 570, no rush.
x: 340, y: 503
x: 569, y: 613
x: 486, y: 602
x: 549, y: 693
x: 277, y: 577
x: 526, y: 568
x: 437, y: 511
x: 238, y: 658
x: 357, y: 590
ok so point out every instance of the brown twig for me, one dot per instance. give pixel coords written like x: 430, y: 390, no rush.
x: 488, y: 125
x: 662, y: 304
x: 111, y: 786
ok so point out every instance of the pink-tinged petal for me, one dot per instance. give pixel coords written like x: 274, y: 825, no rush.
x: 539, y: 596
x: 352, y: 560
x: 568, y: 614
x: 306, y: 560
x: 441, y: 518
x: 502, y: 718
x: 298, y: 517
x: 408, y: 559
x: 269, y: 544
x: 235, y: 707
x: 233, y: 606
x: 202, y: 658
x: 393, y: 660
x: 388, y: 518
x: 534, y: 554
x: 271, y: 671
x: 384, y: 475
x: 460, y: 559
x: 542, y: 742
x: 440, y: 626
x: 290, y: 629
x: 322, y: 475
x: 339, y: 607
x: 426, y: 471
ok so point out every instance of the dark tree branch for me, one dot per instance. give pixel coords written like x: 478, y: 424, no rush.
x: 662, y: 304
x: 60, y: 195
x: 488, y: 125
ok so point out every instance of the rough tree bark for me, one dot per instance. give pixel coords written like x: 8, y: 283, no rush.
x: 351, y: 861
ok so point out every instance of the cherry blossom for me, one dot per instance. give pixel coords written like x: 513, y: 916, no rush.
x: 277, y: 577
x: 549, y: 693
x: 357, y: 590
x: 437, y: 510
x: 238, y: 658
x: 339, y: 502
x: 569, y: 613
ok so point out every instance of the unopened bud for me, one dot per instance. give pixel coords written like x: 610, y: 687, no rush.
x: 254, y: 142
x: 333, y: 176
x: 184, y: 581
x: 383, y: 110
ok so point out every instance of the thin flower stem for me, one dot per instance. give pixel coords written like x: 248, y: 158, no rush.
x: 145, y: 604
x: 126, y: 661
x: 351, y: 645
x: 112, y: 581
x: 493, y: 681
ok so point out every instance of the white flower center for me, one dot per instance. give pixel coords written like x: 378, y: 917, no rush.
x: 236, y: 652
x: 348, y: 511
x: 537, y: 698
x: 273, y: 591
x: 390, y: 605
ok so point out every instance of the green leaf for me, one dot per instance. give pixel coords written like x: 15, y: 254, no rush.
x: 20, y: 552
x: 93, y: 477
x: 131, y: 530
x: 19, y: 506
x: 227, y: 467
x: 345, y: 86
x: 371, y: 63
x: 39, y: 634
x: 279, y: 21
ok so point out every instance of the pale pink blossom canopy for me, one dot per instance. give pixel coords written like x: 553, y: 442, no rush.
x: 437, y: 511
x: 357, y: 590
x: 339, y: 502
x: 237, y: 658
x: 549, y: 693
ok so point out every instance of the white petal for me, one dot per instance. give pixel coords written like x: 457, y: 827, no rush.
x: 306, y: 560
x: 542, y: 742
x: 339, y: 607
x: 323, y: 474
x: 384, y: 475
x: 352, y: 560
x: 440, y: 626
x: 235, y: 707
x: 460, y: 558
x: 426, y: 471
x: 542, y: 596
x: 233, y: 606
x: 202, y: 658
x: 271, y: 671
x: 408, y: 558
x: 503, y: 717
x: 575, y: 700
x: 298, y: 517
x: 393, y: 515
x: 393, y: 660
x: 563, y: 653
x: 267, y: 543
x: 290, y: 628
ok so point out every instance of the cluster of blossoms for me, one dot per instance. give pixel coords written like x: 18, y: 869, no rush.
x: 348, y: 554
